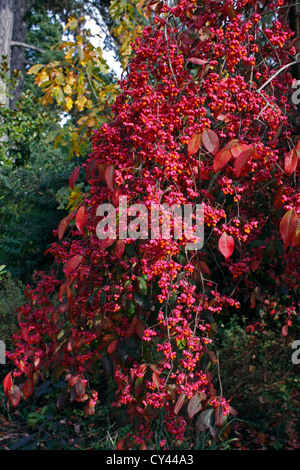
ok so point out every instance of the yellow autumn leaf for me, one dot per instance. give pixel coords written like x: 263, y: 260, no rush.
x: 72, y: 78
x: 71, y: 24
x: 68, y: 89
x: 47, y: 98
x: 69, y: 103
x: 35, y: 69
x: 74, y: 199
x: 141, y: 4
x: 42, y: 77
x: 69, y: 54
x: 80, y: 102
x: 91, y: 122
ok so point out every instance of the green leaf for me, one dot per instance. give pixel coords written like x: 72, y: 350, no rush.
x: 129, y: 250
x: 131, y: 309
x: 143, y: 301
x: 142, y: 285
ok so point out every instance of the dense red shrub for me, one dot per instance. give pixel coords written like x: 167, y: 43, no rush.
x: 205, y: 116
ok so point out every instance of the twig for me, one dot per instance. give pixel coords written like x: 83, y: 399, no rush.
x: 26, y: 46
x: 219, y: 375
x: 169, y: 59
x: 279, y: 71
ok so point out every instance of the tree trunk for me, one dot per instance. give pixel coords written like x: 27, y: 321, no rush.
x: 13, y: 28
x: 6, y: 31
x: 17, y: 61
x: 294, y: 25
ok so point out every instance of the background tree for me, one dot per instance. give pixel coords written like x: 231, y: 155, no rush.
x: 16, y: 22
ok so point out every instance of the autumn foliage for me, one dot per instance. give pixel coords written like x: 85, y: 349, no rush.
x: 204, y: 116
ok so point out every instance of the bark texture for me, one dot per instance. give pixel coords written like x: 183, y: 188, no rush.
x: 13, y: 28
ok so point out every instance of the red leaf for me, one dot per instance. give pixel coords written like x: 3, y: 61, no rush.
x: 194, y: 405
x: 243, y: 158
x: 155, y: 378
x: 226, y: 245
x: 219, y: 415
x: 73, y: 263
x: 36, y: 361
x: 252, y: 301
x: 28, y: 388
x: 74, y: 177
x: 179, y: 404
x: 285, y: 330
x: 119, y: 248
x: 120, y: 444
x: 14, y: 395
x: 221, y: 158
x: 237, y: 147
x: 101, y: 171
x: 106, y: 243
x: 73, y: 381
x: 277, y: 198
x: 296, y: 238
x: 233, y: 411
x: 194, y: 143
x: 212, y: 357
x: 112, y: 346
x: 210, y: 141
x: 195, y: 60
x: 155, y: 368
x: 70, y: 296
x: 63, y: 225
x: 80, y: 388
x: 204, y: 420
x: 25, y: 333
x: 204, y: 267
x: 62, y: 308
x: 115, y: 197
x: 288, y: 226
x: 62, y: 291
x: 110, y: 175
x: 142, y: 369
x: 7, y: 383
x: 90, y: 170
x: 231, y: 149
x: 81, y: 219
x: 291, y: 161
x: 255, y: 264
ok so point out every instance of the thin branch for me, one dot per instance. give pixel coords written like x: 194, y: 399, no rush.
x: 26, y: 46
x: 279, y: 71
x: 169, y: 59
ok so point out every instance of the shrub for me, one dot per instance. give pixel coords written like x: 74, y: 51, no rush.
x: 11, y: 297
x: 203, y: 118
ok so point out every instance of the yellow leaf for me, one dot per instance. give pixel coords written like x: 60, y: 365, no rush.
x: 41, y: 77
x: 71, y: 24
x: 35, y: 69
x: 74, y: 199
x: 72, y: 78
x: 69, y: 54
x: 68, y: 89
x: 69, y: 103
x: 80, y: 102
x: 140, y: 4
x: 47, y: 99
x: 91, y: 122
